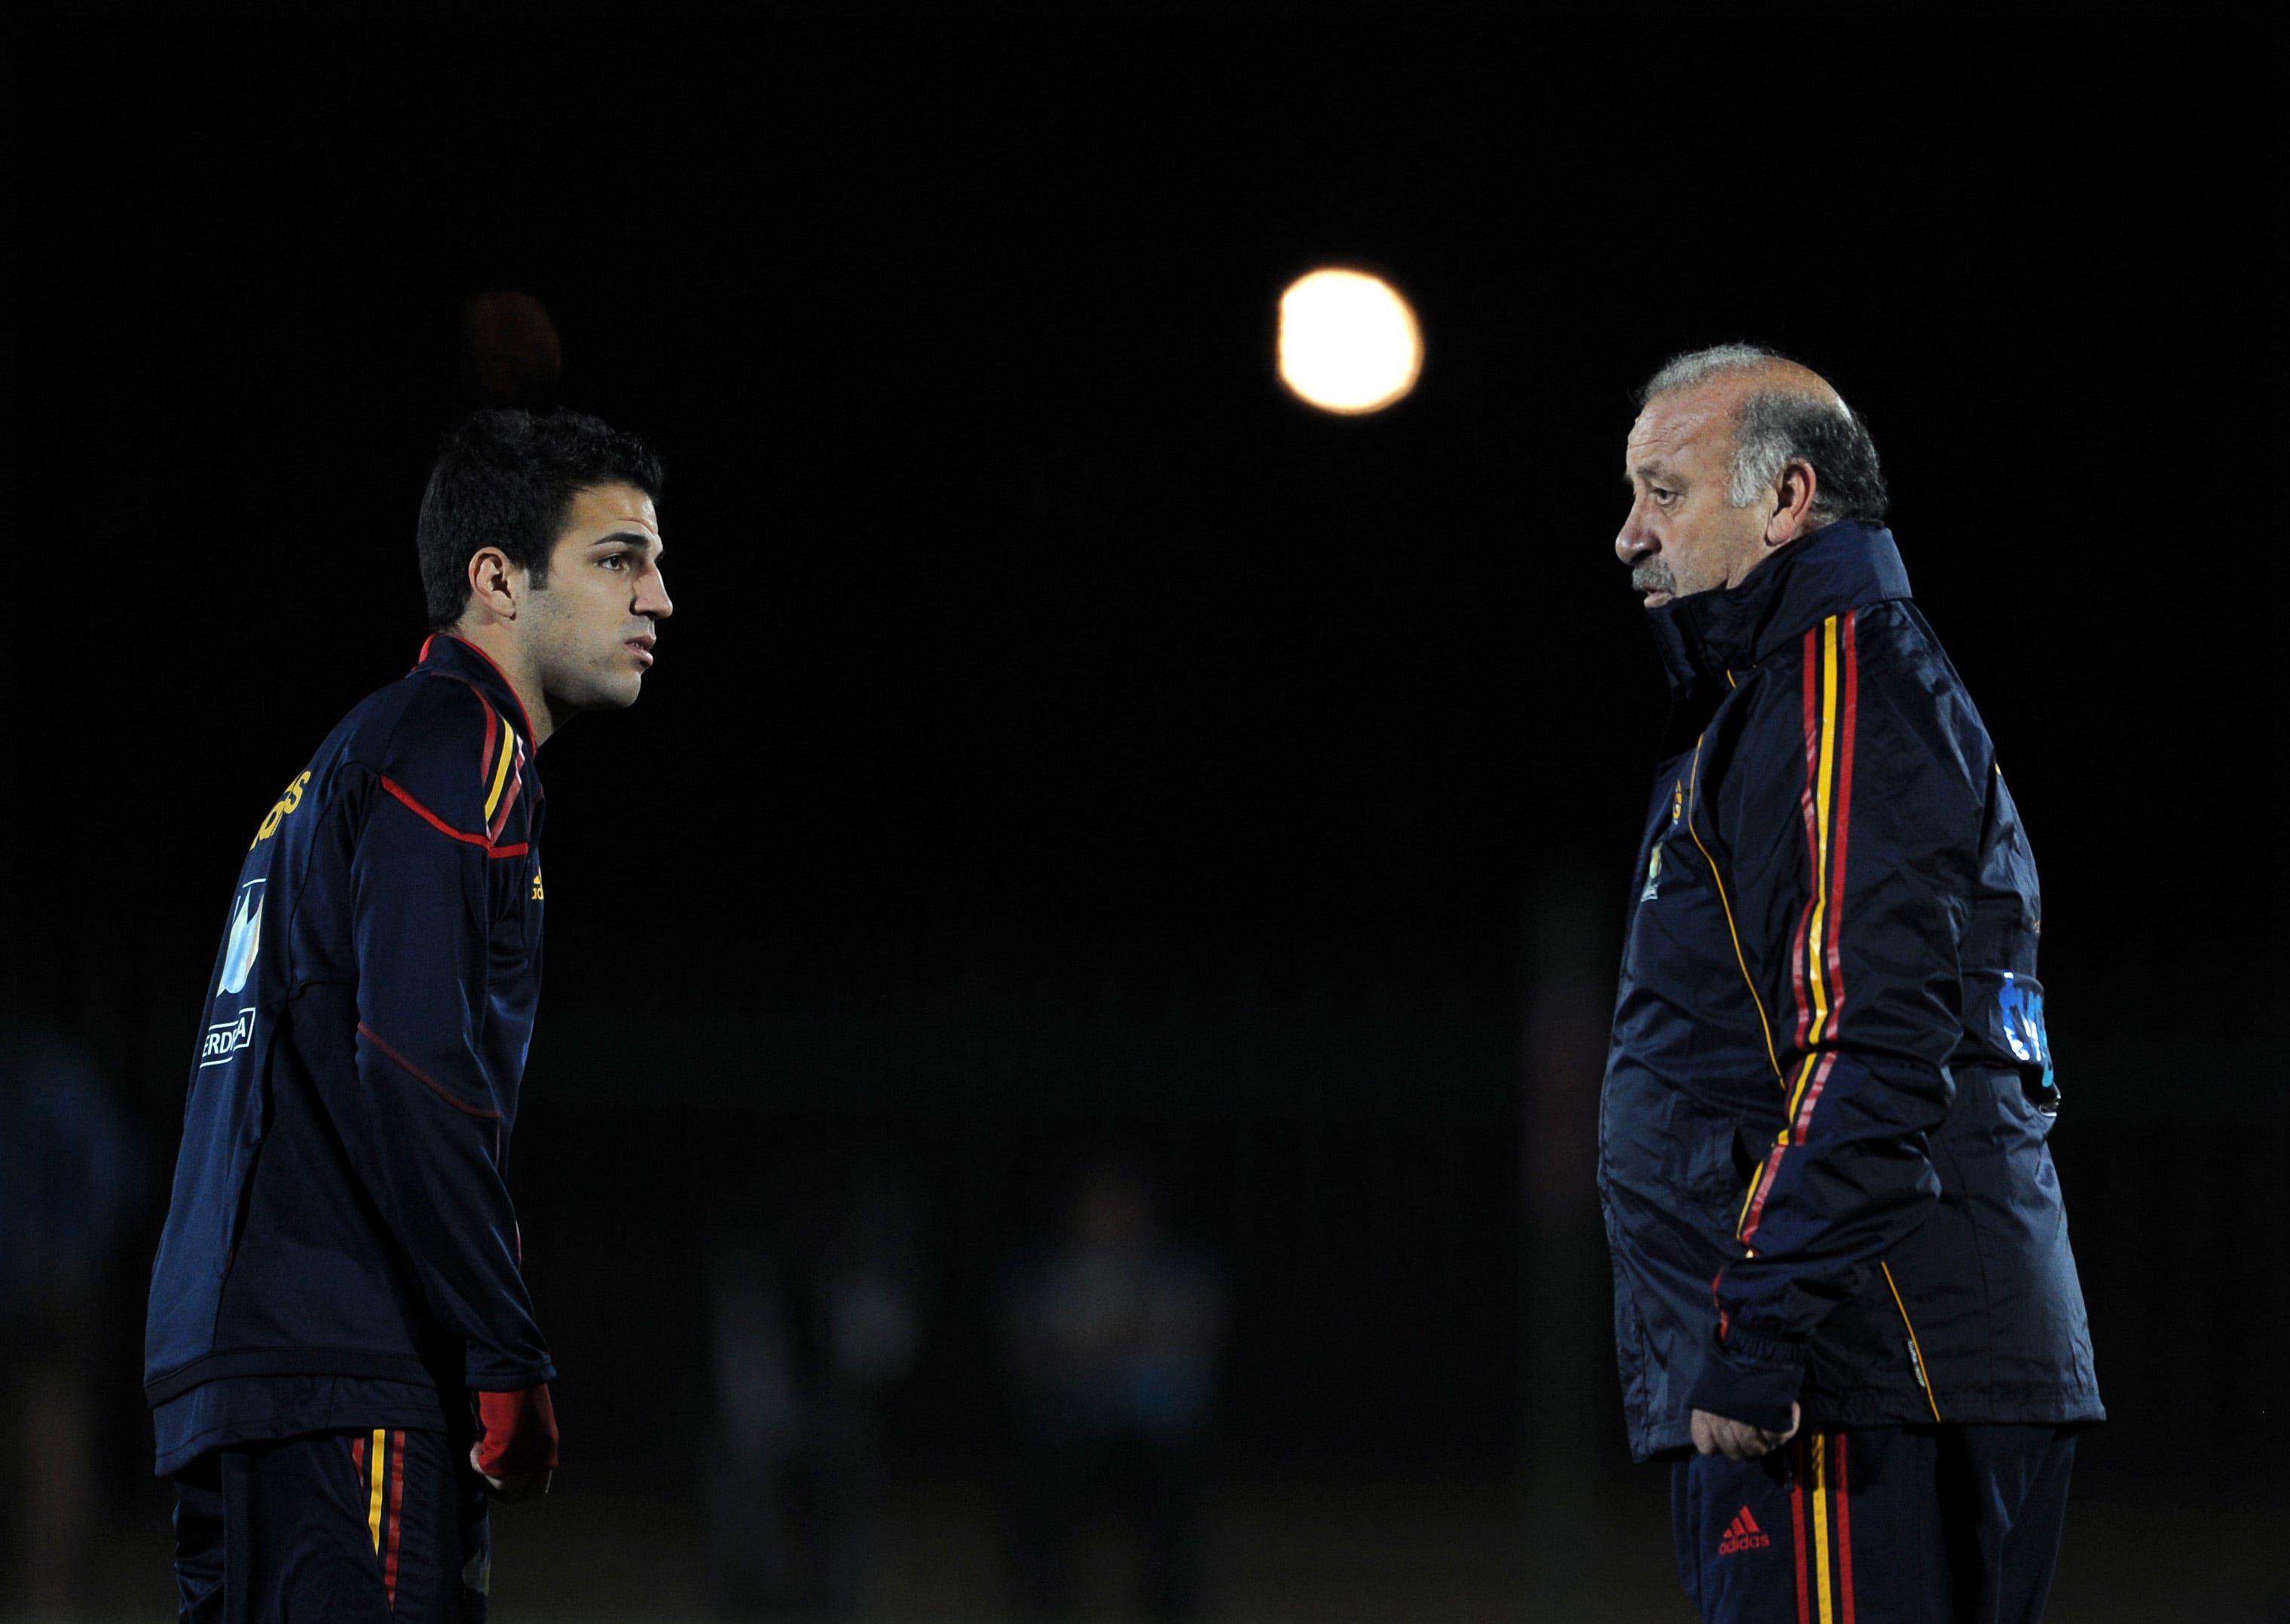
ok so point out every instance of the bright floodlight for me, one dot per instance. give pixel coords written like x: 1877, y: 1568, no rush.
x: 1348, y: 342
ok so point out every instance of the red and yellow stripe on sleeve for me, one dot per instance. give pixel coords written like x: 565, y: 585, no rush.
x: 1832, y: 691
x: 508, y: 773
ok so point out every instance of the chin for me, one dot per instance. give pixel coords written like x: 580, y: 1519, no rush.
x: 610, y: 694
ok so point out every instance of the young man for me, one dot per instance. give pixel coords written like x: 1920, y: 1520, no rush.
x: 1844, y: 1296
x: 341, y: 1358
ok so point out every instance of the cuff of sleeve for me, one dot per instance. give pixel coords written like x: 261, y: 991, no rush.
x: 1749, y: 1377
x: 517, y: 1432
x: 484, y: 1371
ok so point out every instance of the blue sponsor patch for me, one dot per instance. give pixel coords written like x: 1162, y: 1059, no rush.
x: 2021, y: 1007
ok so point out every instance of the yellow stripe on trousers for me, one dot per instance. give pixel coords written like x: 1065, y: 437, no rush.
x: 1820, y: 1524
x: 373, y: 1510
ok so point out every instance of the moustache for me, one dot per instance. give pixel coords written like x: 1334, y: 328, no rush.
x: 1653, y: 575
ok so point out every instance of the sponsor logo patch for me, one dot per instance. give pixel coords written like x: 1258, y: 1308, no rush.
x: 1743, y: 1535
x: 227, y: 1038
x: 2021, y: 1009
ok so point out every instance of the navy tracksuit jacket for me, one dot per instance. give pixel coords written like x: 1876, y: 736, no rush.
x: 1821, y: 1137
x: 340, y: 1251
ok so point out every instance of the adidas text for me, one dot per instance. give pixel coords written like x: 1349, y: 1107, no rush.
x: 1743, y: 1535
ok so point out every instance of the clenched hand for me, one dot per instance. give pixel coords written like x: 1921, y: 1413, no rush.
x: 1715, y: 1435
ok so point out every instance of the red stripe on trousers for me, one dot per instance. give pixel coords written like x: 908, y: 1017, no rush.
x: 1797, y: 1522
x: 398, y: 1516
x: 1844, y: 1535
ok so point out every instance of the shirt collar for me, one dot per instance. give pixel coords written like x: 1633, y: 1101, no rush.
x: 451, y: 656
x: 1840, y: 566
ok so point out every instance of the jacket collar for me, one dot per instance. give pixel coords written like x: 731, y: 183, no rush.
x: 1839, y: 567
x: 445, y: 655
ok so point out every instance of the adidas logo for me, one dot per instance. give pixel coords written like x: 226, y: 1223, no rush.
x: 1743, y: 1535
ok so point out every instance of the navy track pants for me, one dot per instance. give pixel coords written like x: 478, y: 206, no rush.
x: 1938, y: 1525
x: 380, y: 1527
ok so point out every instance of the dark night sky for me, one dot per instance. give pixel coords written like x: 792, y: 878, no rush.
x: 1018, y: 604
x: 1015, y: 593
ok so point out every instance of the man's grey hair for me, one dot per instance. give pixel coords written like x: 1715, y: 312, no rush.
x: 1778, y: 426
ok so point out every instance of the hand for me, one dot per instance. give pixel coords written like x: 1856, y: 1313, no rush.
x: 516, y: 1448
x: 514, y: 1487
x: 1715, y: 1435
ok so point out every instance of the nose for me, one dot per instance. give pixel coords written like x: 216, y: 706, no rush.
x: 1634, y: 540
x: 652, y: 596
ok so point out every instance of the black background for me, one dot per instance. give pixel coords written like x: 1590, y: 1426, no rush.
x: 1041, y: 667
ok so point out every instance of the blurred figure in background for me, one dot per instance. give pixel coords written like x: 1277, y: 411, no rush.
x: 756, y: 1433
x: 1564, y: 1332
x: 1112, y: 1334
x: 68, y: 1169
x: 811, y: 1327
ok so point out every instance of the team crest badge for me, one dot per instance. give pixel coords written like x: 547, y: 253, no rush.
x: 244, y: 942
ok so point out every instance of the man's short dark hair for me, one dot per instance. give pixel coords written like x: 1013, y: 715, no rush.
x: 1781, y: 425
x: 506, y: 479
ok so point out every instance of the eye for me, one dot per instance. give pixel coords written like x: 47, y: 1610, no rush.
x: 1661, y: 498
x: 614, y: 561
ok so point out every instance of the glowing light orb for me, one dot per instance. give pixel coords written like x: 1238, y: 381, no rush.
x: 1349, y: 343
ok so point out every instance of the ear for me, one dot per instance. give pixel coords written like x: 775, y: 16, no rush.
x: 1792, y: 498
x: 495, y: 586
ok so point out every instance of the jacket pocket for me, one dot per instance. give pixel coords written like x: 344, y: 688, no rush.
x: 1871, y: 1358
x: 1916, y: 1351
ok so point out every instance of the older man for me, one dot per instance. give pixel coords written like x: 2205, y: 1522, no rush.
x: 1845, y: 1298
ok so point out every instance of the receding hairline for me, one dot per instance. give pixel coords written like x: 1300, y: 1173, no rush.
x: 1734, y: 374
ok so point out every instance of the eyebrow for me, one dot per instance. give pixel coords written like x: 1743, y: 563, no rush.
x: 1650, y: 471
x: 631, y: 538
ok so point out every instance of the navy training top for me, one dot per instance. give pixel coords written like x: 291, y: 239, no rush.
x: 341, y: 1250
x: 1823, y: 1134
